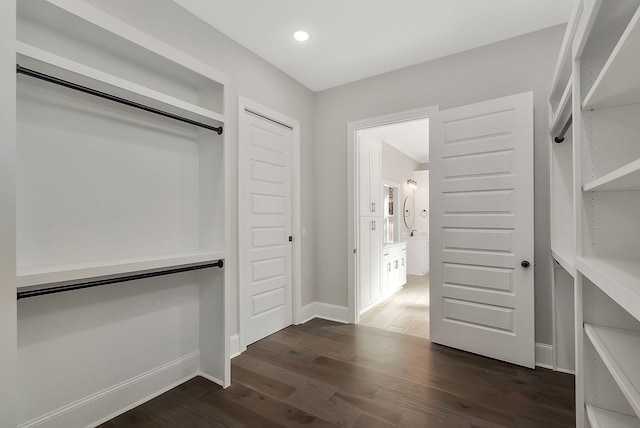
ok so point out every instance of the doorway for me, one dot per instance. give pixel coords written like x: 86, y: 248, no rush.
x: 389, y: 275
x: 269, y: 222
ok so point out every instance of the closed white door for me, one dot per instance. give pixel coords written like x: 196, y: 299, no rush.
x: 266, y: 254
x: 481, y: 286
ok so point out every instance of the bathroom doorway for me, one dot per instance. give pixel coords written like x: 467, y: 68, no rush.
x: 390, y: 288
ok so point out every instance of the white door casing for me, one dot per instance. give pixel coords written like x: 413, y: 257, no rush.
x: 266, y: 262
x: 481, y: 200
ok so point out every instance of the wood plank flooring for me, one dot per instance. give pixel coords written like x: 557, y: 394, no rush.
x: 325, y: 374
x: 406, y: 311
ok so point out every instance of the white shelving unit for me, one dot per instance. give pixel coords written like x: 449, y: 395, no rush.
x: 605, y: 253
x: 106, y: 190
x: 562, y: 203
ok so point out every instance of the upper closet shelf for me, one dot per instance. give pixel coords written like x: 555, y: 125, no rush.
x: 50, y: 63
x: 563, y: 113
x: 618, y: 83
x: 601, y: 418
x: 626, y: 177
x: 619, y: 350
x: 29, y: 276
x: 562, y: 71
x: 619, y: 279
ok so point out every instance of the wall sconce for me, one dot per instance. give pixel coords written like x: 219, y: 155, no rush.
x: 412, y: 183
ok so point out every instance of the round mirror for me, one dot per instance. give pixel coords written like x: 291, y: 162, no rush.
x: 408, y: 209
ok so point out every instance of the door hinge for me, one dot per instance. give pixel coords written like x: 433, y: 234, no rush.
x: 290, y: 238
x: 354, y: 251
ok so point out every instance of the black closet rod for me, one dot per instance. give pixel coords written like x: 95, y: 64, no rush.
x: 95, y: 92
x: 101, y: 282
x: 565, y: 128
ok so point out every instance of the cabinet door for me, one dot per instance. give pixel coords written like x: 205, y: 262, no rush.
x: 370, y: 261
x: 402, y: 271
x: 370, y: 177
x: 375, y: 178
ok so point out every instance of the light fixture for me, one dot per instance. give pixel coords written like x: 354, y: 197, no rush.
x: 301, y: 36
x: 413, y: 184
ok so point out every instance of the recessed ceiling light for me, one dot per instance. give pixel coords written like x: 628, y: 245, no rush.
x: 301, y: 36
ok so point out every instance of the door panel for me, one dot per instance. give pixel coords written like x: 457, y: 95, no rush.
x: 266, y: 261
x: 482, y: 228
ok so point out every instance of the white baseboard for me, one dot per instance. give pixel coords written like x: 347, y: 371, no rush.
x: 332, y: 312
x: 544, y: 356
x: 104, y: 405
x: 234, y: 345
x: 325, y: 311
x: 307, y: 312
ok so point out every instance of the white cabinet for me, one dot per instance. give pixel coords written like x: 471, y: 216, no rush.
x: 370, y: 230
x: 370, y: 177
x: 418, y: 256
x: 394, y: 264
x: 596, y: 204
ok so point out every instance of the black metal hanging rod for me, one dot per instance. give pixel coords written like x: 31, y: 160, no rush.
x: 115, y: 280
x: 565, y: 128
x: 95, y: 92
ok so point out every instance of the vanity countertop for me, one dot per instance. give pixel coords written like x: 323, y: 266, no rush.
x: 393, y: 244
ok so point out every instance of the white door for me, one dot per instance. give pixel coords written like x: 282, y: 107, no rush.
x: 481, y: 286
x: 265, y: 262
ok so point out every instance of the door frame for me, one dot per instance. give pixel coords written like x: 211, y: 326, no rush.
x: 353, y: 194
x: 245, y: 104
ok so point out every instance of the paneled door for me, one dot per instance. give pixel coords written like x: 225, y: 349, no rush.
x: 266, y: 253
x: 481, y: 285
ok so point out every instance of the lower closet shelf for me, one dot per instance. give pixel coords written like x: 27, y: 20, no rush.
x: 619, y: 349
x: 38, y: 276
x: 601, y: 418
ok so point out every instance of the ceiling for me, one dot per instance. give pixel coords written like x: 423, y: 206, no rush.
x: 410, y: 137
x: 354, y: 39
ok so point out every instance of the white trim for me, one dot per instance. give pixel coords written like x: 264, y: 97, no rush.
x: 308, y: 312
x: 244, y: 103
x: 332, y: 312
x: 352, y: 214
x: 544, y: 356
x: 325, y: 311
x: 105, y: 405
x: 234, y: 345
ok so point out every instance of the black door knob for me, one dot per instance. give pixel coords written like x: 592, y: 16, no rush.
x: 525, y: 264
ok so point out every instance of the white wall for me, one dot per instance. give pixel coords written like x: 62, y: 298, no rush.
x: 7, y: 215
x: 510, y: 67
x: 396, y: 166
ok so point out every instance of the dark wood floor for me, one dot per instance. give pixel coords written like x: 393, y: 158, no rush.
x: 323, y: 374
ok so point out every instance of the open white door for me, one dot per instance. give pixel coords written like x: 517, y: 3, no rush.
x: 481, y: 285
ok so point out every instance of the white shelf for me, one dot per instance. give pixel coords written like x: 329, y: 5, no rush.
x: 33, y: 276
x: 134, y: 36
x: 619, y: 279
x: 623, y: 178
x: 97, y: 77
x: 563, y: 112
x: 563, y: 65
x: 617, y: 83
x: 601, y: 418
x: 565, y: 260
x: 619, y: 350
